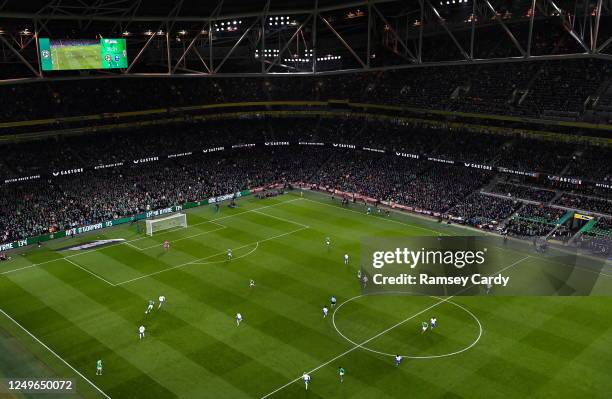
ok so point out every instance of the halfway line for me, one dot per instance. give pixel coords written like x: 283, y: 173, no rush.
x: 383, y: 332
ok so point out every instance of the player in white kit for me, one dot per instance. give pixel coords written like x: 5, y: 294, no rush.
x: 306, y: 378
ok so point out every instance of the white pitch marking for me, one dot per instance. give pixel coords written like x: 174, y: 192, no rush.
x: 224, y: 217
x: 390, y: 220
x: 601, y: 273
x: 380, y: 334
x: 142, y: 238
x: 208, y: 257
x: 233, y: 259
x: 282, y: 219
x: 470, y: 346
x: 55, y: 354
x: 128, y: 243
x: 89, y: 271
x: 355, y: 347
x: 182, y: 238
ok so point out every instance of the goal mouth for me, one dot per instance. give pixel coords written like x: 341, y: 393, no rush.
x: 167, y: 222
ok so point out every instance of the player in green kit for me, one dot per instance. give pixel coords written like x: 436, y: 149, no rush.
x: 424, y: 327
x: 341, y: 373
x: 99, y: 367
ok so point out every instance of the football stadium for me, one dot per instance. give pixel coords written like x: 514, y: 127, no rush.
x: 306, y: 199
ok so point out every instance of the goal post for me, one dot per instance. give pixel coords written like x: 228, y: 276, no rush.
x: 165, y: 223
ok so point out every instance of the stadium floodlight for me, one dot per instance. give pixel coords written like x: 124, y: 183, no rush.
x: 165, y: 223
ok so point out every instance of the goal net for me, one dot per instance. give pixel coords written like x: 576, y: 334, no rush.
x: 165, y: 223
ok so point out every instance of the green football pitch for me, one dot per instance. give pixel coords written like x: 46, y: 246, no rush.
x: 76, y: 57
x: 62, y: 310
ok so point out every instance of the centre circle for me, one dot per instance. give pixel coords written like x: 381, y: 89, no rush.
x: 413, y: 319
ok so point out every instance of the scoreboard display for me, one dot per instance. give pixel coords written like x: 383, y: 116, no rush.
x: 73, y: 54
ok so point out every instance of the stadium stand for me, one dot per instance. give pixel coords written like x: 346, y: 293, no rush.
x: 554, y: 88
x: 174, y: 170
x: 524, y: 192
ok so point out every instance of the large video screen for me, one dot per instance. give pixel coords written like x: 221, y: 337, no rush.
x: 71, y: 54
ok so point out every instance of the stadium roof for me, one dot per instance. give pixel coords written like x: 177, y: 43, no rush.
x: 191, y: 37
x: 188, y: 8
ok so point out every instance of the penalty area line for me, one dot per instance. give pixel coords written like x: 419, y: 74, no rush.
x: 233, y: 259
x: 281, y: 219
x: 128, y: 242
x: 195, y: 261
x: 55, y: 354
x: 89, y: 271
x: 182, y: 238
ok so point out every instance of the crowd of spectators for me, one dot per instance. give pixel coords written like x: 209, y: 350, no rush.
x: 529, y: 155
x: 597, y: 239
x: 604, y: 225
x: 597, y: 245
x: 518, y: 191
x: 561, y: 92
x: 580, y: 202
x: 535, y: 221
x: 592, y: 165
x: 59, y: 152
x: 560, y: 86
x: 37, y: 207
x: 182, y: 171
x: 438, y: 141
x: 425, y: 186
x: 483, y: 211
x: 93, y: 195
x: 565, y: 185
